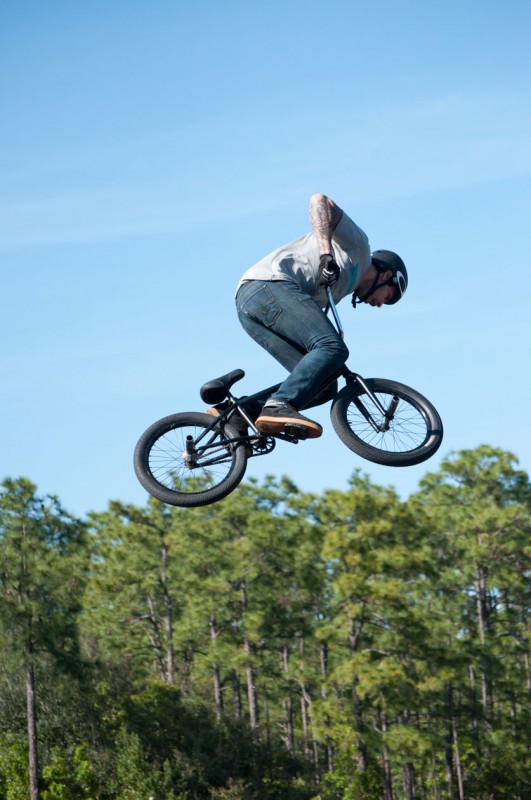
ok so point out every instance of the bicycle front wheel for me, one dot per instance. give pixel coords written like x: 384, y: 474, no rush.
x: 413, y: 433
x: 184, y: 460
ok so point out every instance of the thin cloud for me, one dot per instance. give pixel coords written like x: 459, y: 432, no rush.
x: 204, y: 173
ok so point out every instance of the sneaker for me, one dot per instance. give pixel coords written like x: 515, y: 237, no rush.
x: 237, y: 422
x: 215, y: 411
x: 275, y: 417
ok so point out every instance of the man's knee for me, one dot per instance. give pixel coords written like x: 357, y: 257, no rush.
x: 335, y: 347
x: 340, y: 351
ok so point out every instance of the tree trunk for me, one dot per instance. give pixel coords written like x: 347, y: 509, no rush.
x: 250, y: 671
x: 458, y: 768
x: 304, y: 704
x: 448, y: 750
x: 311, y: 751
x: 353, y: 637
x: 454, y: 769
x: 251, y: 689
x: 408, y: 773
x: 186, y: 670
x: 236, y: 693
x: 152, y: 628
x: 218, y: 694
x: 408, y: 782
x: 168, y: 618
x: 267, y: 728
x: 33, y: 753
x: 475, y: 712
x: 305, y: 725
x: 483, y: 625
x: 386, y: 764
x: 323, y: 655
x: 359, y: 726
x: 288, y: 704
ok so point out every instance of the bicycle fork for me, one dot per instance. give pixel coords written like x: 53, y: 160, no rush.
x: 387, y: 413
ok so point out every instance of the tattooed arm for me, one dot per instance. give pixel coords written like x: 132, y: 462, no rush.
x: 324, y: 217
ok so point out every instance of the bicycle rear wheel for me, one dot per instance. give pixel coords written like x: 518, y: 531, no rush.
x: 413, y: 434
x: 184, y: 460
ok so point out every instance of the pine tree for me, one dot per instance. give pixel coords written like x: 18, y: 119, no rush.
x: 132, y: 597
x: 42, y: 562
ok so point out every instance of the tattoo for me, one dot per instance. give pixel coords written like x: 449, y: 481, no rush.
x: 324, y: 218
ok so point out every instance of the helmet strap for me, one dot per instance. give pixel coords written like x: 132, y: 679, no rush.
x: 357, y: 299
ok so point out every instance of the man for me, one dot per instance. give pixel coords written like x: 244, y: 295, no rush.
x: 280, y: 301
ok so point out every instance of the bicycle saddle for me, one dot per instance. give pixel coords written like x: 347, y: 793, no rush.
x: 216, y: 390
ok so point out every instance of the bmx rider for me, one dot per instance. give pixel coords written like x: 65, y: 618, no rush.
x: 280, y: 302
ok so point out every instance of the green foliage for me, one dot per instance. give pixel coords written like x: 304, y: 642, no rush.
x: 235, y: 790
x: 276, y: 645
x: 13, y: 769
x: 69, y: 777
x: 132, y: 780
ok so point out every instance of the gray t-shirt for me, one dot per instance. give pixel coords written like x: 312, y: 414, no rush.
x: 299, y: 261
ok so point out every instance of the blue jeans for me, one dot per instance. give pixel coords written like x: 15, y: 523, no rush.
x: 289, y: 324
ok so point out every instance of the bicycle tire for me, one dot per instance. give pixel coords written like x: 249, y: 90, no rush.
x: 159, y: 460
x: 415, y: 432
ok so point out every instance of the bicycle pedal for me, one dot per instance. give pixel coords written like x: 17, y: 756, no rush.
x: 296, y: 431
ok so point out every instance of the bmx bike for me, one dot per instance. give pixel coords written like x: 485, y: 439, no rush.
x: 194, y: 459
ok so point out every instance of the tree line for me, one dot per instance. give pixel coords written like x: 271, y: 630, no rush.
x: 277, y: 645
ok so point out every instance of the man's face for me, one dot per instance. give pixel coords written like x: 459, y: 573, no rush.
x: 382, y: 294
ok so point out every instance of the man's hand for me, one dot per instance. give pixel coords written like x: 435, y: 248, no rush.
x: 329, y: 269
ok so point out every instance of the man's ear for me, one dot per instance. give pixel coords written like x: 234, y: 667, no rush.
x: 385, y: 276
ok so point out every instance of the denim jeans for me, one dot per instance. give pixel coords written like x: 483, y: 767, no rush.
x: 290, y: 325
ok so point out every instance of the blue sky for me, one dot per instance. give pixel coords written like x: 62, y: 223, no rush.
x: 151, y: 151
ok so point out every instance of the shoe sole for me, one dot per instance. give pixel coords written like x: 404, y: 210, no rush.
x: 273, y: 425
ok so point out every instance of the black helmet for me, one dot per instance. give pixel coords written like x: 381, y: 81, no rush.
x: 386, y: 259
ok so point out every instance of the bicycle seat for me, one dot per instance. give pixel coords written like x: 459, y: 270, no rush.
x: 215, y: 391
